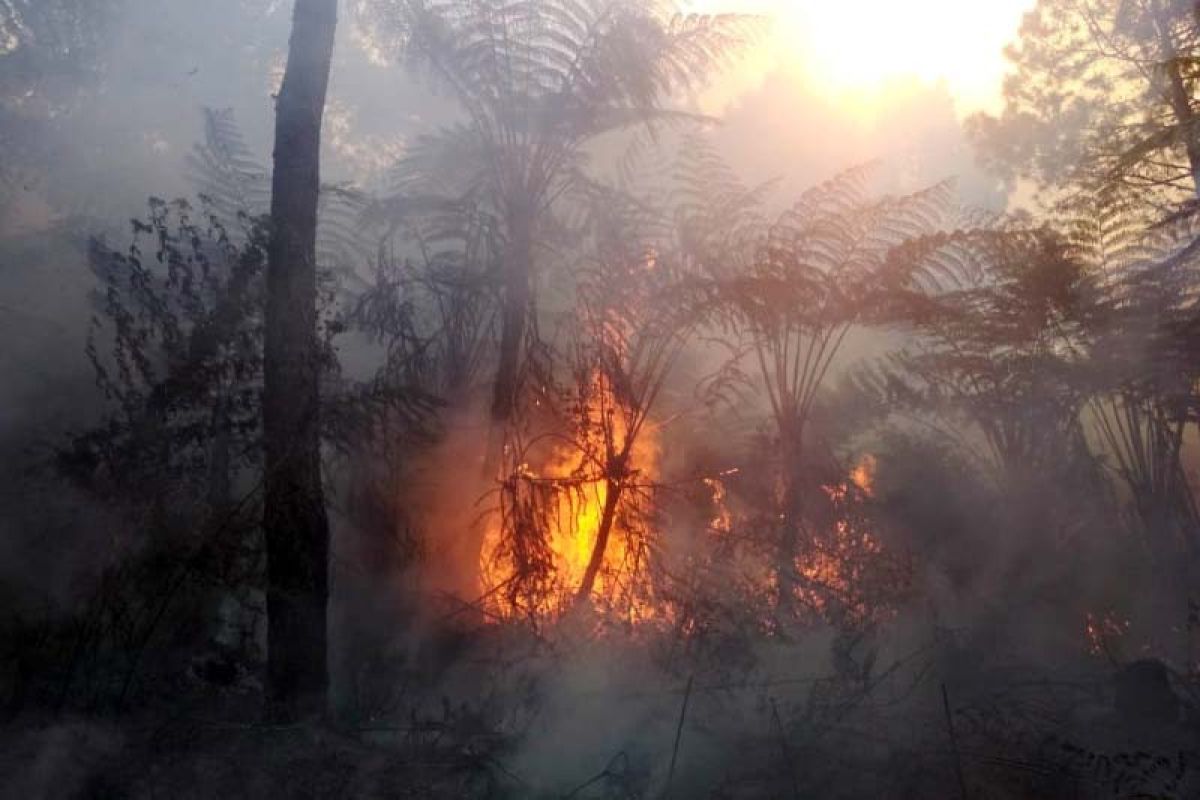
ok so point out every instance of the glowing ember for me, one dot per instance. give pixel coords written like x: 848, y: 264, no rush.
x: 1103, y: 631
x: 835, y: 566
x: 863, y: 475
x: 722, y: 521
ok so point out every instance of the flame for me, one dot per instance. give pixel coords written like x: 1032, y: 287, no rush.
x: 722, y: 520
x: 572, y: 533
x: 833, y: 567
x: 863, y: 475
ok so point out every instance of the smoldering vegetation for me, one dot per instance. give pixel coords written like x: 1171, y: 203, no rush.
x: 650, y: 475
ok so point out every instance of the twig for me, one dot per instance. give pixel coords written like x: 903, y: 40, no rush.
x: 958, y: 769
x: 783, y: 746
x: 621, y: 758
x: 687, y: 693
x: 185, y: 571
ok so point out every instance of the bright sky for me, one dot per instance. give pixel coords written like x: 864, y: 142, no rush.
x: 854, y: 48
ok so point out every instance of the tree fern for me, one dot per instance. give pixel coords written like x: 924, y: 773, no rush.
x: 236, y: 186
x: 998, y: 348
x: 537, y: 80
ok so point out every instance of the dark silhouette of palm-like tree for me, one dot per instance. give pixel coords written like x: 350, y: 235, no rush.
x: 790, y: 292
x: 538, y: 81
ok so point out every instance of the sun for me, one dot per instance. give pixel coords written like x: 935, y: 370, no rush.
x: 860, y: 47
x: 863, y: 44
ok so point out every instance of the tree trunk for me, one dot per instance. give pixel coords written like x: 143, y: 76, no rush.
x: 792, y: 508
x: 518, y: 270
x: 612, y: 499
x: 1180, y: 99
x: 1185, y: 117
x: 295, y: 521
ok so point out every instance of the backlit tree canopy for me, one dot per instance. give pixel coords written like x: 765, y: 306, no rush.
x: 536, y: 82
x: 1101, y: 92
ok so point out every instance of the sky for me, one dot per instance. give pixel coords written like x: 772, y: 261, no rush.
x: 959, y: 42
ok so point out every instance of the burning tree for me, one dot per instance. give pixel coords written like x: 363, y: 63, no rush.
x: 1142, y: 354
x: 578, y: 508
x: 578, y: 528
x: 820, y: 269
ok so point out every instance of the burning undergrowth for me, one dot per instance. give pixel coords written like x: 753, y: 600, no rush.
x: 590, y: 520
x: 576, y: 529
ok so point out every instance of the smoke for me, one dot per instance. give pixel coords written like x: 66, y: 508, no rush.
x: 58, y: 760
x: 988, y: 574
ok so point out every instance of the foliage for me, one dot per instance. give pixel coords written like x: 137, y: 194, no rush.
x: 628, y: 335
x: 229, y: 178
x: 1101, y: 93
x: 1015, y: 472
x: 176, y: 348
x: 48, y: 46
x: 821, y: 268
x: 999, y: 347
x: 537, y: 81
x: 51, y: 53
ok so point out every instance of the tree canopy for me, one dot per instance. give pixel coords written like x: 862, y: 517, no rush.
x: 1101, y: 93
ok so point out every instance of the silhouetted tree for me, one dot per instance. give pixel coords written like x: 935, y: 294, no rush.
x: 1143, y: 362
x: 1102, y: 92
x: 999, y: 347
x: 814, y: 273
x: 538, y: 81
x: 629, y: 328
x: 294, y: 516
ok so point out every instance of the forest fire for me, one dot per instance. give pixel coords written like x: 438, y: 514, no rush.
x: 863, y: 475
x: 557, y: 523
x: 837, y: 568
x: 573, y: 524
x: 495, y: 399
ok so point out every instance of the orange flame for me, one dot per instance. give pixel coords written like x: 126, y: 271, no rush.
x: 863, y: 475
x: 573, y: 532
x: 832, y: 567
x: 831, y: 570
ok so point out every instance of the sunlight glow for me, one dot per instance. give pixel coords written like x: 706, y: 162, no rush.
x: 857, y: 48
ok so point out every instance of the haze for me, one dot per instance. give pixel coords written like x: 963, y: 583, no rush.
x: 600, y: 399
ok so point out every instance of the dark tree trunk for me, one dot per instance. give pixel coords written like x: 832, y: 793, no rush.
x: 791, y: 523
x: 1185, y: 117
x: 518, y: 269
x: 295, y: 522
x: 1180, y: 98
